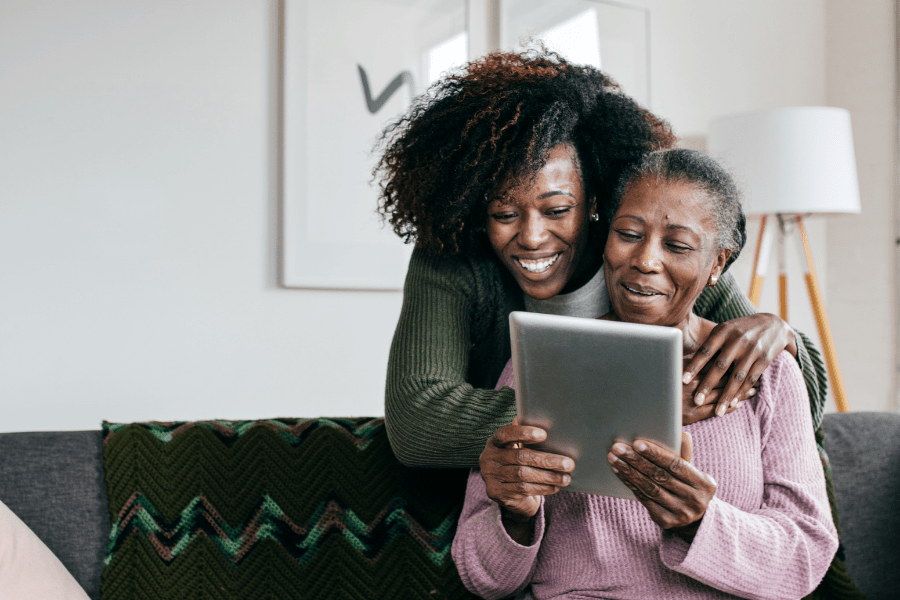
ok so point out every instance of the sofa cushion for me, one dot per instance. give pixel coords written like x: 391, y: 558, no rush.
x: 864, y: 449
x: 262, y: 509
x: 28, y: 570
x: 53, y: 481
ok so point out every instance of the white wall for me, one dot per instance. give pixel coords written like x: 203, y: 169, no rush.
x: 138, y: 204
x: 862, y: 249
x: 137, y: 226
x: 711, y: 58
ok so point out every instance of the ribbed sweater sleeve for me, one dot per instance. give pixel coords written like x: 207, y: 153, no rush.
x: 725, y: 301
x: 433, y: 416
x: 490, y: 563
x: 783, y: 548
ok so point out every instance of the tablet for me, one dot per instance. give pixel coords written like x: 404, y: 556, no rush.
x: 589, y: 382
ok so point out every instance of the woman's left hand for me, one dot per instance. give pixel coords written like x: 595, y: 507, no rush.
x: 744, y: 347
x: 673, y: 491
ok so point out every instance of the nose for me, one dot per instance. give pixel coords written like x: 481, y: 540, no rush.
x: 533, y: 231
x: 648, y: 258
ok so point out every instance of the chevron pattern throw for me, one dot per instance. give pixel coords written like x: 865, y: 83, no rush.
x: 281, y: 508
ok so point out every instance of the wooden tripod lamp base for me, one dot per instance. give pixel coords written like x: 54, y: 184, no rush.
x: 815, y: 295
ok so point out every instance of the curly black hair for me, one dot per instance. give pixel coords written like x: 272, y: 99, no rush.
x: 497, y: 118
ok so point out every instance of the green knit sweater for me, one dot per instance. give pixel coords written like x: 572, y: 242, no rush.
x: 452, y: 342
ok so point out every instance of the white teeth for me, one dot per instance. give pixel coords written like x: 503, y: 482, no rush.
x: 639, y: 293
x: 539, y: 266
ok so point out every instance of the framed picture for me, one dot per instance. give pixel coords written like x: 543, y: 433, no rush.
x: 350, y: 67
x: 613, y: 36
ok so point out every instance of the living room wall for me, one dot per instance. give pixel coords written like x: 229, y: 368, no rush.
x: 138, y: 209
x: 862, y: 249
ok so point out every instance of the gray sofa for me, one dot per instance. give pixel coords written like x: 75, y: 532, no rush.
x: 54, y: 482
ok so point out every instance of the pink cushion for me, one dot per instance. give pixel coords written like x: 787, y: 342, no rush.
x: 28, y: 569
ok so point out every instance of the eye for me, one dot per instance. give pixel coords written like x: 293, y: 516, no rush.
x: 503, y: 217
x: 628, y: 235
x: 559, y: 212
x: 678, y: 247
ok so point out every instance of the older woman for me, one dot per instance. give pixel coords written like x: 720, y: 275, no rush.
x: 749, y: 518
x: 502, y: 175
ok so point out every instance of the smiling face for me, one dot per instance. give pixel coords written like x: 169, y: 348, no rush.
x: 661, y: 252
x: 539, y: 228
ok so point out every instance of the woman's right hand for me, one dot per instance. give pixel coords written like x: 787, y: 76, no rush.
x: 516, y: 476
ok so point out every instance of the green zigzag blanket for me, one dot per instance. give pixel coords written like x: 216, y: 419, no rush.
x: 281, y: 508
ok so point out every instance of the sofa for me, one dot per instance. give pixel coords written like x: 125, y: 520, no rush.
x: 55, y: 482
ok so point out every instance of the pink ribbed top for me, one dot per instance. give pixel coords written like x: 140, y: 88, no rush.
x: 767, y: 533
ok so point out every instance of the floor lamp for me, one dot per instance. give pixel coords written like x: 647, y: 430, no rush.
x: 791, y: 163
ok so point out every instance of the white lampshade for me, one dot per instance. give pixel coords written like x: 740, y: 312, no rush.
x: 790, y: 160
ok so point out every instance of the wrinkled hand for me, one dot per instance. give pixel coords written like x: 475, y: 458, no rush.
x: 516, y: 477
x: 672, y: 490
x: 691, y: 412
x: 738, y: 351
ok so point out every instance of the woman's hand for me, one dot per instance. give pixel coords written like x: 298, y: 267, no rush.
x: 674, y: 492
x: 743, y: 347
x: 691, y: 412
x: 516, y: 477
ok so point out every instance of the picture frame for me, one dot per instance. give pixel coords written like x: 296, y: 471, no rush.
x: 348, y: 68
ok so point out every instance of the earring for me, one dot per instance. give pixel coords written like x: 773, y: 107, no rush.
x: 712, y: 280
x: 595, y: 217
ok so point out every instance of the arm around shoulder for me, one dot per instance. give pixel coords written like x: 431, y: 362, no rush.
x: 725, y: 302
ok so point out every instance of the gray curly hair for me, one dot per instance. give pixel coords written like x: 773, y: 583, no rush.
x: 696, y: 168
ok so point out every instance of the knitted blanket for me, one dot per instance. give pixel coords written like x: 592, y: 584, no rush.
x: 281, y: 508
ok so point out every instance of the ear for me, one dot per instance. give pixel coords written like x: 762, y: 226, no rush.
x: 716, y: 272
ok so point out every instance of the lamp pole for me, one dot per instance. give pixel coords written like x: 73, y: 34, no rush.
x: 815, y: 297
